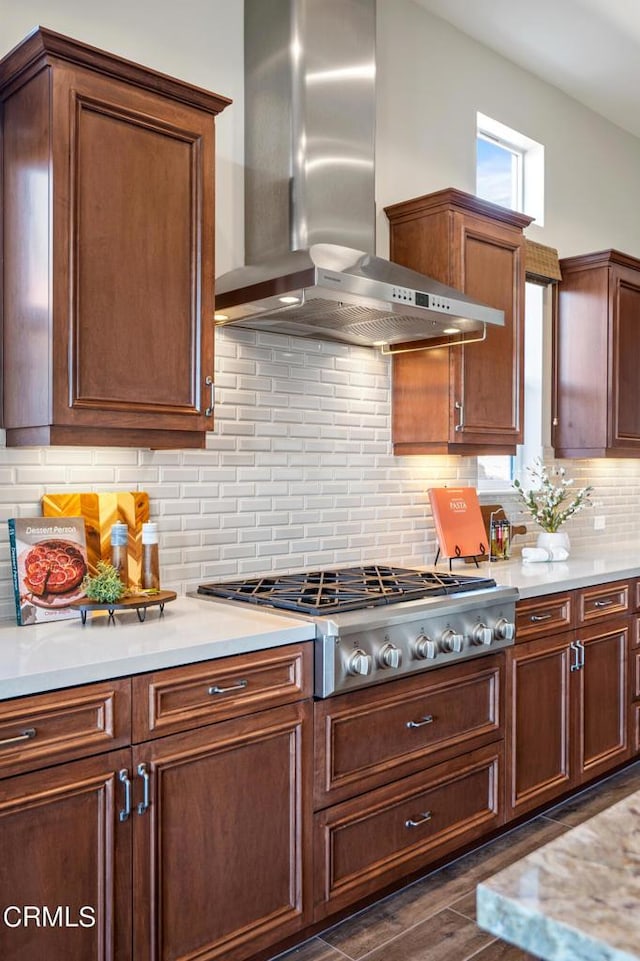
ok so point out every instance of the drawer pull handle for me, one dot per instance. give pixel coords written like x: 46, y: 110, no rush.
x: 240, y: 686
x: 27, y: 735
x: 427, y: 719
x: 607, y: 603
x: 416, y: 822
x: 146, y: 799
x: 536, y: 618
x: 123, y: 777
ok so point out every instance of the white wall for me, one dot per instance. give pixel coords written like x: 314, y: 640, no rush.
x: 299, y: 470
x: 199, y: 41
x: 431, y: 81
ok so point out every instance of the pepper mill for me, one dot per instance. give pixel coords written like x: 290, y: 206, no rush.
x: 150, y: 558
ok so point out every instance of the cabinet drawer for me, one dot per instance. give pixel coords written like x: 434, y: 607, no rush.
x: 379, y: 837
x: 605, y: 600
x: 541, y: 616
x: 180, y: 698
x: 44, y: 729
x: 368, y: 738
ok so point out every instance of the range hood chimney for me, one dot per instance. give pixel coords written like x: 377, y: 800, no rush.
x: 310, y: 191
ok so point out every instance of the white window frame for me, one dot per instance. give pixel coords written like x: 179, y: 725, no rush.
x: 530, y: 198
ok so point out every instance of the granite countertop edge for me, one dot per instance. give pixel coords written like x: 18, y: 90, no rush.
x: 576, y: 896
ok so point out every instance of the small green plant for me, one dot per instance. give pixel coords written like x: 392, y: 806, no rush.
x: 105, y: 587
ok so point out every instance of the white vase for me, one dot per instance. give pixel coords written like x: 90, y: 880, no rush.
x: 556, y: 543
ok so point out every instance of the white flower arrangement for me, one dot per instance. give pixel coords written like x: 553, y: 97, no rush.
x: 547, y: 501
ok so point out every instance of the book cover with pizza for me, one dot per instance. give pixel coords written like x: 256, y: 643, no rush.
x: 48, y: 563
x: 458, y: 520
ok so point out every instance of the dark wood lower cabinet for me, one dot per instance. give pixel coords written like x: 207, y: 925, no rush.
x: 65, y: 862
x: 222, y: 856
x: 234, y: 832
x: 538, y: 722
x: 602, y: 739
x: 201, y: 849
x: 567, y: 704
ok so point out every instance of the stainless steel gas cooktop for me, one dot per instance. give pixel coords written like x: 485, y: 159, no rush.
x: 344, y: 589
x: 377, y: 622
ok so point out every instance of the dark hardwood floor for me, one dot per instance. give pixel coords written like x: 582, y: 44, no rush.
x: 433, y: 919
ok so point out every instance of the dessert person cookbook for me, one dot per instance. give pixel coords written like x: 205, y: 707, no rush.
x: 48, y: 564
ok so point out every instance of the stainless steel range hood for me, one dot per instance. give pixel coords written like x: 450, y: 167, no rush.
x: 310, y: 190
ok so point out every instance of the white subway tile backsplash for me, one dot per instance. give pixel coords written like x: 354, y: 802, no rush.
x: 298, y: 473
x: 56, y: 455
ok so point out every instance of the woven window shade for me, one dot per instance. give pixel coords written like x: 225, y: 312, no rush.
x: 541, y: 263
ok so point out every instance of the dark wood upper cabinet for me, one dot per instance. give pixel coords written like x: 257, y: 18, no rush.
x: 108, y: 249
x: 596, y: 349
x: 464, y: 399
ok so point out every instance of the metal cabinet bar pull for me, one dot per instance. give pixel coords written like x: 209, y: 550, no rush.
x: 146, y: 797
x: 416, y: 822
x: 26, y: 735
x: 580, y: 648
x: 123, y: 777
x: 536, y: 618
x: 226, y: 690
x: 606, y: 603
x: 427, y: 719
x: 459, y: 406
x: 212, y: 403
x: 575, y: 666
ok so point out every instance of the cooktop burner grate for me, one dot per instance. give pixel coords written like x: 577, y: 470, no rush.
x: 344, y: 589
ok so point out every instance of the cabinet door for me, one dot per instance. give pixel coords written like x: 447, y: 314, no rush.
x: 602, y: 700
x: 462, y: 399
x: 138, y: 312
x: 488, y: 380
x: 109, y: 247
x: 64, y: 848
x: 221, y: 855
x: 539, y: 721
x: 625, y: 312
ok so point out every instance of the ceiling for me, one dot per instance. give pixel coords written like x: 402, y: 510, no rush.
x: 590, y: 49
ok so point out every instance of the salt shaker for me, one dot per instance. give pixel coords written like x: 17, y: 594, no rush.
x: 119, y: 552
x: 150, y: 558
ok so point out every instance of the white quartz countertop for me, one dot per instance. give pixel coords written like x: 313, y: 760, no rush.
x: 581, y: 569
x: 43, y: 657
x: 577, y: 897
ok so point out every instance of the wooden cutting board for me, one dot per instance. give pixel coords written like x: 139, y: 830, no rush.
x: 100, y: 512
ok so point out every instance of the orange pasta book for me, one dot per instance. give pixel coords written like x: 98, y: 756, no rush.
x: 458, y: 519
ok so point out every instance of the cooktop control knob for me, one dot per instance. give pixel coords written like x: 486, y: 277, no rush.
x: 452, y: 641
x: 390, y: 656
x: 359, y: 663
x: 482, y: 634
x: 505, y: 630
x: 425, y: 648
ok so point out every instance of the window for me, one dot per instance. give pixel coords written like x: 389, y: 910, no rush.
x: 499, y: 172
x: 509, y: 168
